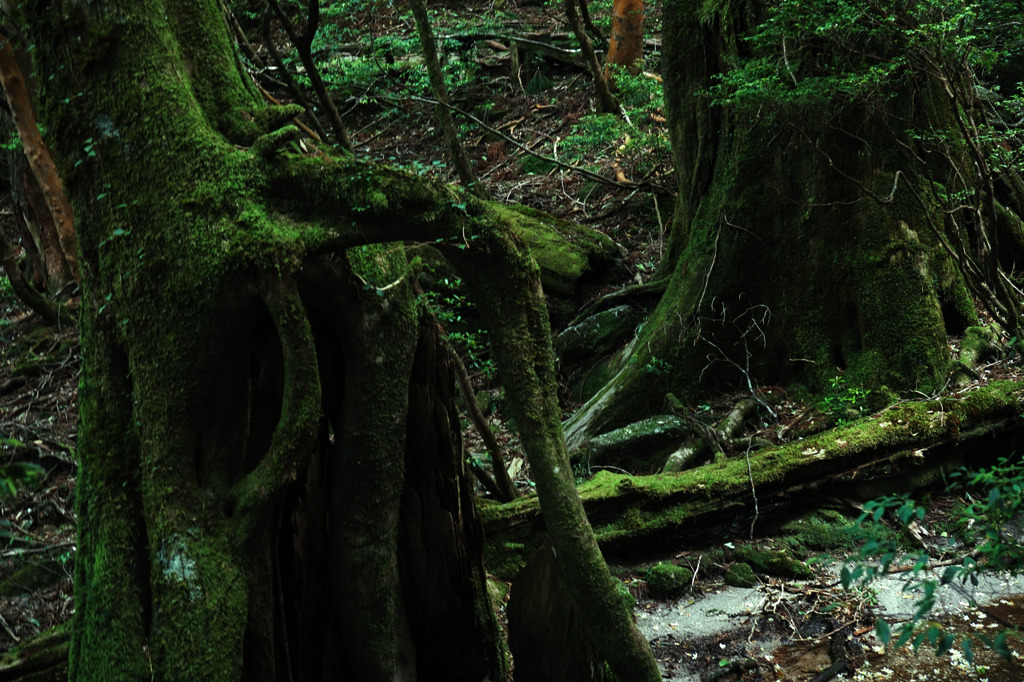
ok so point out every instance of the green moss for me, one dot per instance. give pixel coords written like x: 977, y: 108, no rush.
x: 773, y: 562
x: 378, y: 265
x: 45, y: 654
x: 32, y: 577
x: 660, y: 502
x: 632, y: 519
x: 668, y: 581
x: 505, y: 559
x: 564, y: 251
x: 740, y: 575
x: 820, y: 531
x: 627, y: 597
x: 497, y: 593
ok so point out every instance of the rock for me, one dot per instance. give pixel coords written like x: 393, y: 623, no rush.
x: 668, y: 581
x: 640, y: 447
x: 587, y: 350
x: 740, y: 575
x: 774, y: 562
x: 979, y: 344
x: 598, y: 334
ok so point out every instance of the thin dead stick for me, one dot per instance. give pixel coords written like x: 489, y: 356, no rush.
x: 504, y: 484
x: 597, y: 177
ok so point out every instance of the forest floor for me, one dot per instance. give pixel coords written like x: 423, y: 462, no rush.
x: 780, y: 629
x: 543, y: 108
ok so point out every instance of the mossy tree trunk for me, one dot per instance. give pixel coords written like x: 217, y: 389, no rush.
x: 808, y: 242
x: 271, y: 482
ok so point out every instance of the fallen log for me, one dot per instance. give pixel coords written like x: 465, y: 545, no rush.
x: 44, y: 657
x: 904, y: 446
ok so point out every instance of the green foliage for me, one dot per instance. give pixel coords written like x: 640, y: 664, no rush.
x: 825, y: 54
x: 638, y: 141
x: 13, y: 144
x: 15, y: 474
x: 995, y: 517
x: 990, y: 523
x: 844, y: 402
x: 658, y: 367
x: 879, y: 547
x: 455, y: 313
x: 7, y: 289
x: 379, y: 63
x: 600, y: 14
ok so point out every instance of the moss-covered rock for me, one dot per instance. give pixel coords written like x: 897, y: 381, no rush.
x: 622, y: 589
x: 773, y: 562
x: 640, y: 447
x: 668, y: 581
x: 740, y: 575
x: 979, y: 344
x: 820, y: 531
x: 597, y: 334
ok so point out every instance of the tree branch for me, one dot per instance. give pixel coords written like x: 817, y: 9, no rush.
x: 38, y: 154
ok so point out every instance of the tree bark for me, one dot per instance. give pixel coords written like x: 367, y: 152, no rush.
x: 37, y: 153
x: 23, y: 289
x: 44, y: 226
x: 804, y: 246
x: 444, y: 115
x: 303, y: 45
x: 606, y: 102
x: 626, y: 44
x: 246, y: 341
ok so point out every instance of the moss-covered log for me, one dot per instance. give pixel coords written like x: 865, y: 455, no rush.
x: 44, y: 658
x: 905, y: 446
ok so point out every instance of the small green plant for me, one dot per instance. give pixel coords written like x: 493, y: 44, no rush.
x: 995, y: 515
x: 844, y: 403
x: 17, y: 474
x: 990, y: 523
x: 13, y: 144
x: 6, y: 288
x: 638, y: 141
x: 658, y: 367
x: 455, y: 313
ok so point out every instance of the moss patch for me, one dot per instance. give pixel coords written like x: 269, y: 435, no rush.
x: 740, y: 575
x: 668, y: 581
x: 823, y: 530
x: 773, y: 562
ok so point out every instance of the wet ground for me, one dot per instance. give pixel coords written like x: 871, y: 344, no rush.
x: 817, y: 631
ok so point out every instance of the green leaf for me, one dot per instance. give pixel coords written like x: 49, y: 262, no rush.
x: 968, y: 651
x: 1001, y: 648
x: 883, y: 631
x: 945, y: 644
x: 905, y: 634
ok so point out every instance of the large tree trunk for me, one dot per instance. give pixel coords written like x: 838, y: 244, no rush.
x: 807, y: 242
x: 271, y: 480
